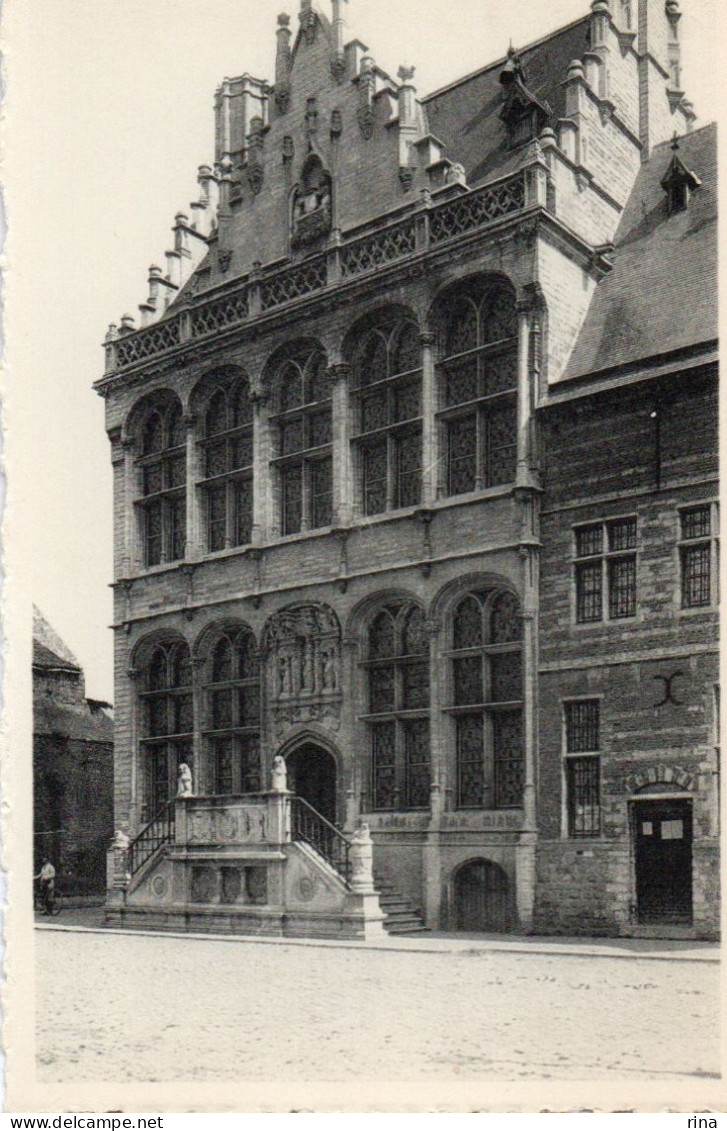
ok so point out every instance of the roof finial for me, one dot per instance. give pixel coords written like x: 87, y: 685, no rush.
x: 675, y: 142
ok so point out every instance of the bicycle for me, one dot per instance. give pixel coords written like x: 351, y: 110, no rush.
x: 48, y: 900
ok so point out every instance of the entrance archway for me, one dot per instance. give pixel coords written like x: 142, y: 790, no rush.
x: 312, y: 775
x: 482, y: 897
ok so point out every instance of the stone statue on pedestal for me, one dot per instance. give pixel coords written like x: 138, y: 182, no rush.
x: 184, y: 780
x: 279, y: 783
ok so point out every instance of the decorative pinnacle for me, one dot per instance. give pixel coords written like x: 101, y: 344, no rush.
x: 675, y: 142
x: 283, y: 20
x: 406, y: 74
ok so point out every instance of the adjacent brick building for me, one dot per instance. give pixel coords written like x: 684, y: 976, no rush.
x: 73, y: 756
x: 404, y: 489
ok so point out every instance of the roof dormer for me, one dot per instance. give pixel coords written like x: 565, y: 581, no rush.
x: 524, y: 115
x: 678, y: 182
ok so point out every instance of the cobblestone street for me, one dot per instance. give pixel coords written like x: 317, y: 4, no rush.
x: 135, y: 1008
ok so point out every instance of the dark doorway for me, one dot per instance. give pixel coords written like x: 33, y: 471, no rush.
x: 663, y: 836
x: 312, y: 775
x: 482, y: 897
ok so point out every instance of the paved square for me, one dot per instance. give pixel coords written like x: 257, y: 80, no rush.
x: 136, y: 1008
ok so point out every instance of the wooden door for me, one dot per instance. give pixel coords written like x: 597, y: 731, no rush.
x: 483, y: 899
x: 663, y: 836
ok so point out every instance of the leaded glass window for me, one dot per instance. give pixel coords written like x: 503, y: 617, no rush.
x: 605, y: 570
x: 303, y: 423
x: 166, y: 723
x: 582, y: 773
x: 397, y: 668
x: 162, y: 463
x: 387, y: 382
x: 487, y: 693
x: 478, y: 387
x: 232, y: 713
x: 227, y: 457
x: 698, y: 555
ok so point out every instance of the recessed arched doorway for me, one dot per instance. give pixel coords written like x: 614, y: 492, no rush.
x: 482, y: 897
x: 312, y: 775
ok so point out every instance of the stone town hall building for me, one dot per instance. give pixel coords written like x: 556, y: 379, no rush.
x: 415, y: 466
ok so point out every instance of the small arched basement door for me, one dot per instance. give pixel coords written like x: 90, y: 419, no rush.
x: 482, y: 898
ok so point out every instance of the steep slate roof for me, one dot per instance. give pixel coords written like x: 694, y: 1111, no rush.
x: 49, y: 651
x: 661, y: 294
x: 76, y: 721
x: 466, y: 115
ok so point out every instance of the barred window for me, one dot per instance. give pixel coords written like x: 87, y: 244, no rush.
x: 698, y: 552
x: 162, y: 466
x: 582, y: 774
x: 232, y: 727
x: 227, y: 460
x: 398, y: 708
x: 166, y: 723
x: 304, y: 427
x: 605, y: 570
x: 478, y: 387
x: 387, y: 382
x: 487, y: 692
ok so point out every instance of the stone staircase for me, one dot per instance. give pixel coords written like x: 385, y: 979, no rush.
x: 401, y: 916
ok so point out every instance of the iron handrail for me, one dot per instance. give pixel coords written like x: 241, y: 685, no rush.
x: 155, y: 835
x: 314, y: 829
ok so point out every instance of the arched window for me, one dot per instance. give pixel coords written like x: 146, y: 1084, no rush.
x: 478, y: 387
x: 486, y: 677
x: 233, y: 713
x: 166, y: 723
x: 162, y: 463
x: 397, y: 667
x: 387, y: 380
x: 227, y: 482
x: 304, y: 465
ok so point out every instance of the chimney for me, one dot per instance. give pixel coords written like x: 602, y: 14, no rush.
x: 338, y: 23
x: 282, y: 64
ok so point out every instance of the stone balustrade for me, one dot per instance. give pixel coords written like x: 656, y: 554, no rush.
x: 432, y: 224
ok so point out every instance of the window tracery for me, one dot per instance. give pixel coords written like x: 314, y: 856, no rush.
x: 487, y: 681
x: 166, y: 723
x: 387, y: 380
x: 397, y: 667
x: 228, y: 467
x: 162, y: 466
x: 233, y: 713
x: 478, y: 387
x: 303, y: 421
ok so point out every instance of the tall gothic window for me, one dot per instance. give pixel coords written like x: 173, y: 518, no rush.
x: 398, y: 708
x: 166, y: 723
x: 162, y: 463
x: 227, y: 482
x: 233, y: 713
x: 387, y: 378
x: 487, y: 697
x: 304, y: 433
x: 478, y: 387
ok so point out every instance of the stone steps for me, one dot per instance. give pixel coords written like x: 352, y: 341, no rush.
x: 401, y: 916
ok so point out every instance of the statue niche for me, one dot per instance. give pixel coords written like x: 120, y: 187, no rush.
x: 311, y: 204
x: 303, y: 648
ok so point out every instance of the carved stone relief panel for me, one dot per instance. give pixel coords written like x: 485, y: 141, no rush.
x: 303, y: 657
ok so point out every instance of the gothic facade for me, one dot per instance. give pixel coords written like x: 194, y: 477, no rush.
x: 353, y: 439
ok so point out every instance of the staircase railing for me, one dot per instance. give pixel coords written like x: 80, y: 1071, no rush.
x: 308, y: 825
x: 155, y: 835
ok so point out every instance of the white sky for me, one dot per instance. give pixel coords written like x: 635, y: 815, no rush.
x: 109, y: 107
